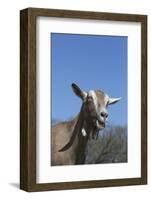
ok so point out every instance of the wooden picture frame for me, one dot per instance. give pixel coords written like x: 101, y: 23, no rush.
x: 28, y: 98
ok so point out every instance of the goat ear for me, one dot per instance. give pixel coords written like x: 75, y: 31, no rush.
x: 113, y: 100
x: 79, y: 92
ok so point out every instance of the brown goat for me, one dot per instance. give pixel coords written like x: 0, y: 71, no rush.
x: 69, y: 139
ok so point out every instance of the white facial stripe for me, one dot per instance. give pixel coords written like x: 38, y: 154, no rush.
x: 85, y: 95
x: 93, y: 95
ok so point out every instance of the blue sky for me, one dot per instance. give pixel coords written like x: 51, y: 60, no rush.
x: 92, y: 62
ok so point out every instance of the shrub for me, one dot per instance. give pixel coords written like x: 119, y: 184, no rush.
x: 110, y: 147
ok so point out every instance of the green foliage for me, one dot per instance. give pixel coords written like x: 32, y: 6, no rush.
x: 110, y: 147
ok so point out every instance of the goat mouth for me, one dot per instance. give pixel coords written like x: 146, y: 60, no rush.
x: 100, y: 125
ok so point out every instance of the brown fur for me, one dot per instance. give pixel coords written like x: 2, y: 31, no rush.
x: 61, y: 134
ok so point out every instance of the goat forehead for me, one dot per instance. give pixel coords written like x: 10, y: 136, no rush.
x: 101, y: 96
x: 98, y: 96
x: 92, y: 93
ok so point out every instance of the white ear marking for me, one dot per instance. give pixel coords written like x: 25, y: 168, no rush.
x: 84, y: 132
x: 113, y: 100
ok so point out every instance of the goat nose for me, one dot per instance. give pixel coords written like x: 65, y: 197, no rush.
x: 104, y: 114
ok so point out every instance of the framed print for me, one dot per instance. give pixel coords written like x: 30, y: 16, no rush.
x: 83, y: 99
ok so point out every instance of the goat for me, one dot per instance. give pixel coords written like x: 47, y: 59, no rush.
x: 69, y: 139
